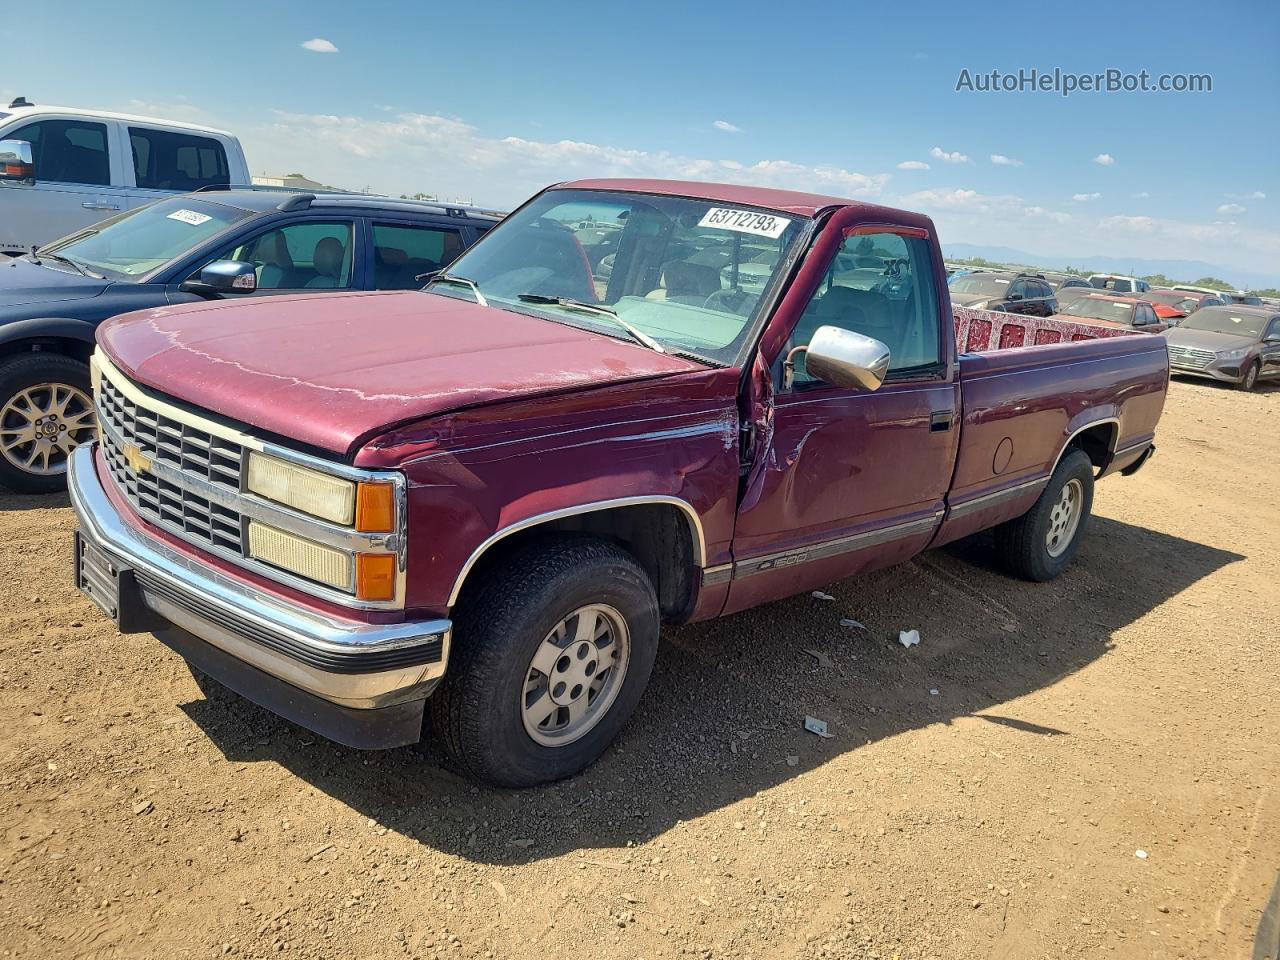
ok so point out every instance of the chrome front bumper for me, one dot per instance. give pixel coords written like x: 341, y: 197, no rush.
x: 351, y: 664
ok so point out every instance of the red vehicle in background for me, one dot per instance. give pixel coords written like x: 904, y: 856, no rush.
x: 1123, y: 312
x: 465, y: 513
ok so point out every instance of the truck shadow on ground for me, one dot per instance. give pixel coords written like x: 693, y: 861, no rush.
x: 722, y: 718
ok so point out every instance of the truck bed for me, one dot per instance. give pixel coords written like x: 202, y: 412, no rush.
x: 980, y: 331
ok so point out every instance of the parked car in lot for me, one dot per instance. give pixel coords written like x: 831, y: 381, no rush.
x: 1247, y: 299
x: 1065, y: 281
x: 1117, y: 283
x: 193, y: 248
x: 1207, y: 291
x: 1173, y: 305
x: 1233, y: 344
x: 485, y: 499
x: 62, y: 168
x: 1119, y: 311
x: 1007, y: 292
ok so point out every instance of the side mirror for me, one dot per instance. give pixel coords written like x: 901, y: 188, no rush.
x: 222, y: 277
x: 841, y: 358
x: 15, y: 161
x: 1014, y: 296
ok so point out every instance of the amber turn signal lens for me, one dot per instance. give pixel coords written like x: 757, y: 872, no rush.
x: 375, y: 576
x: 376, y: 508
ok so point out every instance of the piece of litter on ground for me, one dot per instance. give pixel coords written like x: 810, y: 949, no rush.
x: 819, y: 595
x: 852, y: 623
x: 1140, y: 854
x: 823, y: 660
x: 908, y: 638
x: 933, y: 691
x: 146, y: 806
x: 792, y: 760
x: 522, y: 843
x: 814, y: 725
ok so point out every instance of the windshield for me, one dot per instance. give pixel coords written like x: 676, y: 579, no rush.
x: 1225, y: 320
x: 690, y: 274
x: 137, y: 242
x: 983, y: 284
x: 1098, y: 309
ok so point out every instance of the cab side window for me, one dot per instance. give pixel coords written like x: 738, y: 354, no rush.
x: 68, y: 151
x: 163, y: 160
x: 879, y: 285
x: 301, y: 256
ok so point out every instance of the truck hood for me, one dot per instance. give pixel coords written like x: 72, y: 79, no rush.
x: 1207, y: 339
x: 328, y: 370
x: 23, y: 282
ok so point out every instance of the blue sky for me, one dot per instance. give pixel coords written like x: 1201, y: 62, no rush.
x: 492, y: 100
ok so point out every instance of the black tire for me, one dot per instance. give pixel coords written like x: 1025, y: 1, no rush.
x: 1250, y: 379
x: 21, y: 373
x: 1022, y: 544
x: 476, y: 714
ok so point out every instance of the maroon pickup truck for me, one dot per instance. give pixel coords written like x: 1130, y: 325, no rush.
x: 470, y: 509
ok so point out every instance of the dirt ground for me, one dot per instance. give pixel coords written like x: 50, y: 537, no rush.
x: 1087, y: 768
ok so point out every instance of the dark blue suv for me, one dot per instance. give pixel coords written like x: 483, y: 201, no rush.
x: 238, y: 241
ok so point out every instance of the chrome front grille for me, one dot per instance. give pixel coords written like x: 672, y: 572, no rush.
x: 1190, y: 357
x: 133, y: 435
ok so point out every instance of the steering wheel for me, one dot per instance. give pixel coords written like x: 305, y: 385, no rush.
x: 732, y: 300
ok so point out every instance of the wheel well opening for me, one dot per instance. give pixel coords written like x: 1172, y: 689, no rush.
x: 659, y: 536
x: 1098, y: 443
x: 60, y: 346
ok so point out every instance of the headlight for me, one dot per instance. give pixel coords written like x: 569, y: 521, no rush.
x: 297, y: 555
x: 1239, y: 354
x: 319, y: 494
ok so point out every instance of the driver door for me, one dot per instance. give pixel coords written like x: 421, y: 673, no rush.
x: 852, y: 480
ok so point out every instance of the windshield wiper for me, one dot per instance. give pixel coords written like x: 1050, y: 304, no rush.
x: 571, y: 304
x: 80, y: 268
x: 440, y: 276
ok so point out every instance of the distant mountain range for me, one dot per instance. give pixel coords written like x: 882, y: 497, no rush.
x: 1187, y: 271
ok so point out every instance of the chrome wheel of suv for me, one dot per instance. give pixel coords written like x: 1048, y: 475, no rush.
x: 575, y: 675
x: 41, y: 425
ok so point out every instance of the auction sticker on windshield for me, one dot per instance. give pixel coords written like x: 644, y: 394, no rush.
x: 190, y: 216
x: 745, y: 221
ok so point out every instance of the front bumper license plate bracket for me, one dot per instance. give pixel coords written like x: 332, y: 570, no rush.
x: 112, y: 587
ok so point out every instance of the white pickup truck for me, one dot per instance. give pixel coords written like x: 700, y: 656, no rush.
x: 62, y: 169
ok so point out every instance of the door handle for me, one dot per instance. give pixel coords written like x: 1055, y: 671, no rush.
x: 940, y: 420
x: 100, y: 206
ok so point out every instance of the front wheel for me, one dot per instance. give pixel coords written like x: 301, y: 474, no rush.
x: 1039, y: 544
x: 46, y: 411
x: 550, y: 657
x: 1250, y: 378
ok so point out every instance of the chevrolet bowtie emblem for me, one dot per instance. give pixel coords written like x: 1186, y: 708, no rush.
x: 137, y: 460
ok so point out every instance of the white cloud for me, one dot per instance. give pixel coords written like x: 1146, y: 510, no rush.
x: 319, y: 45
x: 447, y: 156
x: 1055, y: 216
x: 1082, y: 197
x: 1230, y: 208
x: 1104, y: 160
x: 954, y: 157
x: 726, y: 126
x: 1257, y: 195
x: 913, y: 165
x: 1141, y: 195
x: 177, y: 110
x: 1000, y: 160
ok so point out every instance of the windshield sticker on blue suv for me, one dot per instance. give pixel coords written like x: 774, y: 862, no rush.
x: 190, y: 216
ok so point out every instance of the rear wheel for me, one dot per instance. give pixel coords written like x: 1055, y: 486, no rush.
x: 46, y: 411
x: 1039, y: 544
x: 550, y: 657
x: 1250, y: 378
